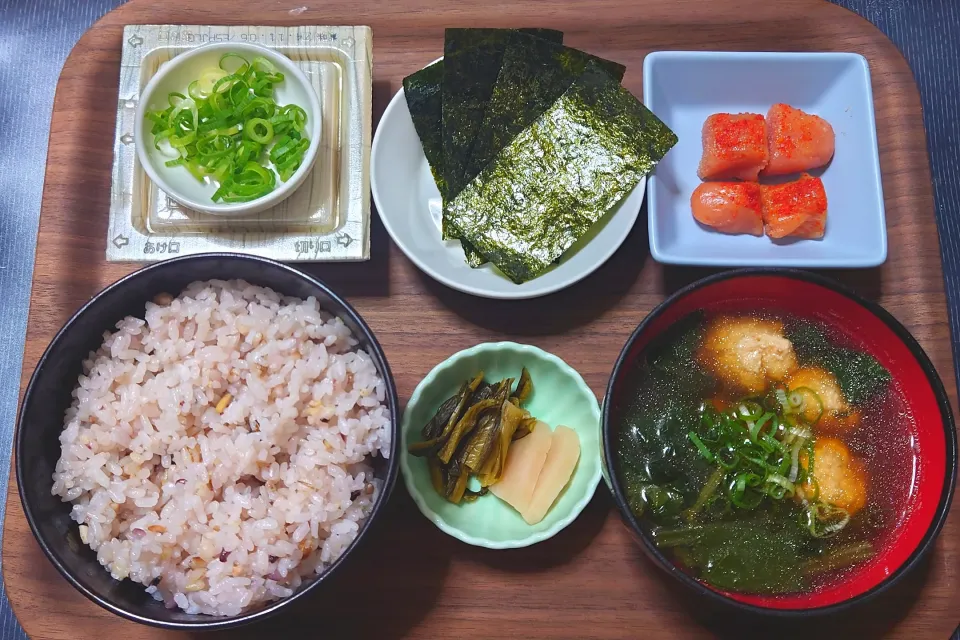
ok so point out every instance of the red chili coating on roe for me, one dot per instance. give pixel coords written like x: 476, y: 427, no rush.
x: 734, y: 147
x: 798, y: 141
x: 729, y: 207
x: 735, y: 134
x: 797, y: 208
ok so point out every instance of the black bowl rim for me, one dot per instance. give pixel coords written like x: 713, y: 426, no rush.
x: 933, y: 378
x: 205, y: 622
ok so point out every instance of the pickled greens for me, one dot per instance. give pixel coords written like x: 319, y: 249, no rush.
x: 471, y: 433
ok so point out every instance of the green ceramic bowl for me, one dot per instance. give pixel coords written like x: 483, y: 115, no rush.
x: 560, y: 396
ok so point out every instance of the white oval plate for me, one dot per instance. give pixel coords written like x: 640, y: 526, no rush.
x: 408, y: 202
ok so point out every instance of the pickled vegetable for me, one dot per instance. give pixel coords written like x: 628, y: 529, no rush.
x: 471, y: 434
x: 524, y: 464
x: 555, y: 474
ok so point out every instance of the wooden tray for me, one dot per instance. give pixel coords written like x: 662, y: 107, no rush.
x: 410, y: 579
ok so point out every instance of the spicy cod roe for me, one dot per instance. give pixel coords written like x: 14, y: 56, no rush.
x: 734, y: 147
x: 797, y: 141
x: 797, y: 209
x: 729, y: 207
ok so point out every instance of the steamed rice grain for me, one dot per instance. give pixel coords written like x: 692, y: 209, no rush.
x: 218, y: 451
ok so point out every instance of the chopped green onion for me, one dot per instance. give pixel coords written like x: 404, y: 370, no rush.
x: 700, y: 446
x: 769, y: 417
x: 756, y: 427
x: 805, y: 393
x: 297, y: 115
x: 195, y: 92
x: 755, y: 449
x: 782, y: 399
x: 787, y: 488
x: 824, y: 520
x: 228, y: 128
x: 750, y: 410
x: 241, y: 70
x: 265, y: 67
x: 795, y: 459
x: 224, y: 84
x: 801, y: 432
x: 741, y: 493
x: 258, y: 130
x: 795, y: 399
x: 728, y: 458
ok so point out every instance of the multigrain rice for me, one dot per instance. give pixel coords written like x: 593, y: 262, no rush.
x: 218, y: 451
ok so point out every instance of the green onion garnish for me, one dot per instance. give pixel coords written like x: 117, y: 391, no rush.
x: 743, y: 493
x: 804, y: 394
x: 824, y: 520
x: 702, y: 448
x: 228, y: 128
x: 765, y: 453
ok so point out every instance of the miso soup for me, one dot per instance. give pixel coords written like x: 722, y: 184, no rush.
x: 764, y: 454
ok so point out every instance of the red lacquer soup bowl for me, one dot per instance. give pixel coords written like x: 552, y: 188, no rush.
x: 932, y: 439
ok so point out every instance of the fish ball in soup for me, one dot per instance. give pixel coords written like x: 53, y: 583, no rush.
x: 840, y: 477
x: 747, y: 352
x: 824, y: 404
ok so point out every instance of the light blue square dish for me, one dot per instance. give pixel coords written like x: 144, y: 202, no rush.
x: 684, y: 87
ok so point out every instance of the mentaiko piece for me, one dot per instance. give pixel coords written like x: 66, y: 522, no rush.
x: 797, y: 141
x: 797, y: 209
x: 734, y: 147
x: 559, y: 176
x: 729, y: 207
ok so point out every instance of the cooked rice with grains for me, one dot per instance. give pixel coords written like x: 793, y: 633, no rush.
x: 218, y: 451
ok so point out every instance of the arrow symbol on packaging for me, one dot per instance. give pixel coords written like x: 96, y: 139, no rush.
x: 121, y: 241
x: 344, y: 239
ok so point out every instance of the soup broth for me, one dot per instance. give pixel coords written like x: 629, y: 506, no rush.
x: 764, y: 454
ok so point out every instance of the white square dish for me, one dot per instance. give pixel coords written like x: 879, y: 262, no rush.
x: 683, y: 88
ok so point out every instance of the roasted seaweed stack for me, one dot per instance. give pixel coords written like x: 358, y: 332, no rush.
x: 530, y: 143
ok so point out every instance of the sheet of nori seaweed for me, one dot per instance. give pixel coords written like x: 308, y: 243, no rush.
x: 471, y: 256
x: 475, y: 57
x: 559, y: 176
x: 424, y: 101
x: 456, y: 38
x: 472, y: 59
x: 423, y: 91
x: 534, y: 74
x: 544, y: 34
